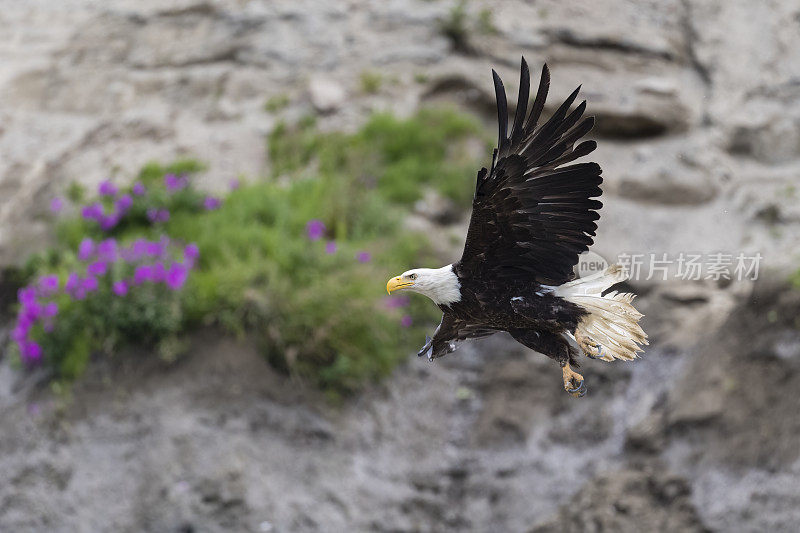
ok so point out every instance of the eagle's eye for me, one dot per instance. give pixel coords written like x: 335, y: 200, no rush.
x: 412, y: 276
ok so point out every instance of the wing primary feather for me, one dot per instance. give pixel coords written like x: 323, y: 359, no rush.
x: 482, y: 173
x: 541, y: 136
x: 538, y: 102
x: 502, y: 110
x: 584, y: 148
x: 522, y: 102
x: 562, y: 146
x: 583, y: 127
x: 572, y: 119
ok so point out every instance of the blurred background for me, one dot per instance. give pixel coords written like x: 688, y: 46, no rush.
x: 202, y: 201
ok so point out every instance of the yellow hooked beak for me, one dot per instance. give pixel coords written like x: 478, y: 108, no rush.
x: 397, y: 283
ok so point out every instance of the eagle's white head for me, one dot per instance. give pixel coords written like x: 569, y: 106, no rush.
x: 439, y: 284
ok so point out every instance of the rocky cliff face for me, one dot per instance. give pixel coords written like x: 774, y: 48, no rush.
x: 698, y: 107
x: 682, y: 440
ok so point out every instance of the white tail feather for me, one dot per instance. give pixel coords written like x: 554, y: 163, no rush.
x: 611, y: 329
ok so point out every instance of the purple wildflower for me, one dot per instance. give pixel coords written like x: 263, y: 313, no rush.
x: 56, y: 205
x: 24, y: 319
x: 406, y: 321
x: 79, y: 293
x: 396, y: 302
x: 89, y: 284
x: 92, y: 212
x: 157, y: 215
x: 98, y: 268
x: 32, y: 312
x: 50, y: 310
x: 158, y: 273
x: 330, y: 247
x: 233, y: 184
x: 48, y: 285
x: 315, y: 229
x: 142, y: 274
x: 364, y: 257
x: 107, y: 250
x: 85, y: 249
x: 72, y: 283
x: 210, y: 203
x: 175, y: 183
x: 108, y: 222
x: 176, y: 276
x: 139, y: 248
x: 154, y: 249
x: 20, y: 331
x: 139, y: 189
x: 27, y: 296
x: 127, y: 254
x: 120, y: 288
x: 124, y: 203
x: 31, y: 352
x: 191, y: 251
x: 106, y: 188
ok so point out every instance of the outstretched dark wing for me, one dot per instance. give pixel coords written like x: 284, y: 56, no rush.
x: 449, y: 333
x: 532, y: 216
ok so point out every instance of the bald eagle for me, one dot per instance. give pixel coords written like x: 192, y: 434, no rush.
x: 533, y: 213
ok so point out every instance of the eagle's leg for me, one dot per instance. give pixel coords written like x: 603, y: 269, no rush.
x: 554, y: 346
x: 573, y: 382
x: 592, y: 349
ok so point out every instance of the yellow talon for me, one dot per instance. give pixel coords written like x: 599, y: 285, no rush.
x: 573, y: 382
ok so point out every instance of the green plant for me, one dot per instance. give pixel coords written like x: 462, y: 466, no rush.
x: 454, y: 27
x: 149, y: 316
x: 396, y: 158
x: 371, y: 82
x: 107, y: 285
x: 458, y: 24
x: 276, y: 103
x: 485, y: 22
x: 316, y: 312
x: 795, y: 279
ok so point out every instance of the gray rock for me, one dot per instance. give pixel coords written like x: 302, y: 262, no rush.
x: 436, y: 207
x: 629, y: 501
x: 679, y: 185
x: 327, y: 95
x: 766, y: 131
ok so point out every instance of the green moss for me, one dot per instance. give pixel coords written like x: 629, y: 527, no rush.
x: 795, y: 280
x: 397, y: 158
x: 371, y: 82
x: 276, y: 103
x: 485, y: 22
x: 152, y: 173
x: 76, y: 192
x: 454, y: 26
x: 458, y: 25
x: 290, y: 152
